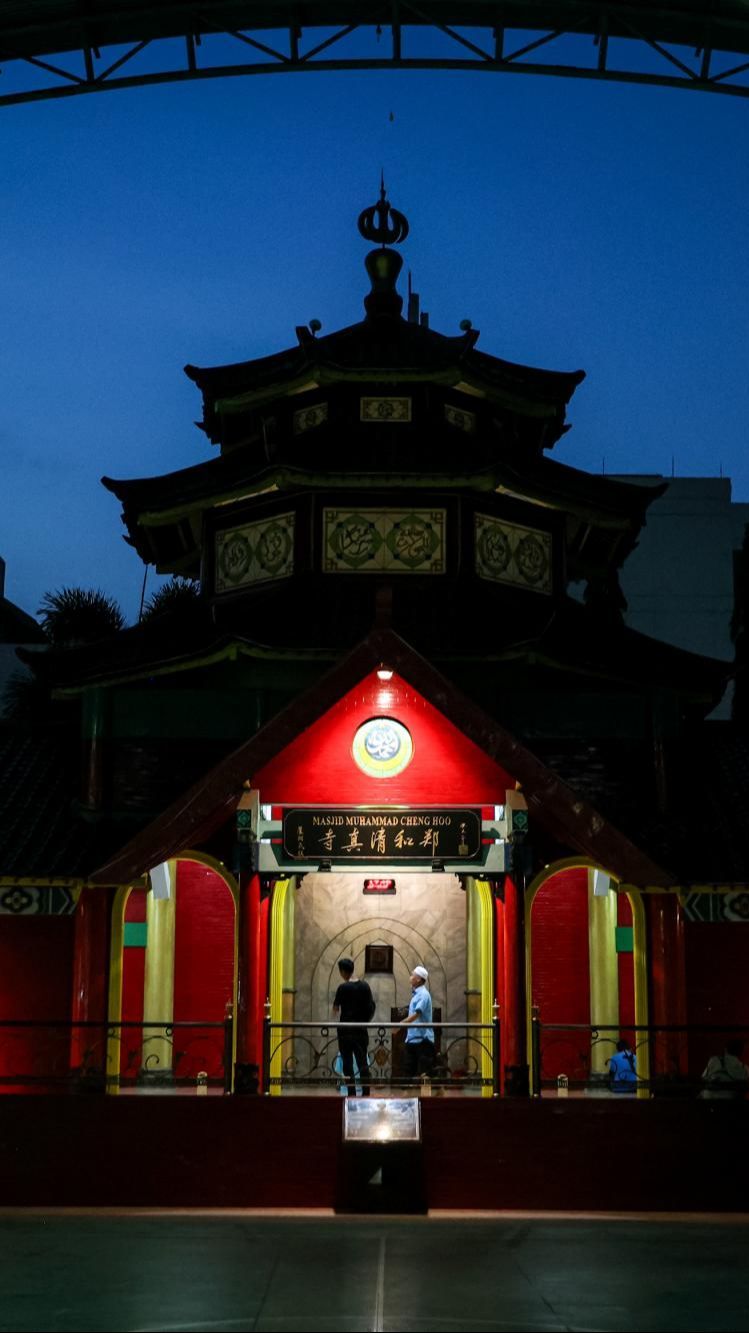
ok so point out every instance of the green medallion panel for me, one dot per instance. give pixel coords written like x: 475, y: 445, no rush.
x: 508, y: 553
x: 385, y: 409
x: 255, y: 553
x: 460, y: 419
x: 401, y: 541
x: 309, y: 417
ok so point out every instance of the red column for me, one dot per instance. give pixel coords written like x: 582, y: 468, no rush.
x: 667, y: 982
x: 90, y: 977
x: 249, y: 1000
x: 252, y: 981
x: 514, y: 1027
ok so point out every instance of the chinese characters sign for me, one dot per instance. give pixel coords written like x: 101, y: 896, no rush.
x: 384, y: 834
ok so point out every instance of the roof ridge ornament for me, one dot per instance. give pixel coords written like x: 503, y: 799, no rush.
x: 384, y: 224
x: 381, y: 222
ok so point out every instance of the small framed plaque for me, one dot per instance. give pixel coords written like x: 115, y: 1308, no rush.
x: 381, y: 1120
x: 378, y: 958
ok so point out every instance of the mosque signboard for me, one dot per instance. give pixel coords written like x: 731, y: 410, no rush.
x: 354, y: 834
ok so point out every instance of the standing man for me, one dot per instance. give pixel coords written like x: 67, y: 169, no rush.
x: 353, y: 1003
x: 419, y: 1040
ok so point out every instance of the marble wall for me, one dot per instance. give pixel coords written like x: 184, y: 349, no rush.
x: 424, y: 921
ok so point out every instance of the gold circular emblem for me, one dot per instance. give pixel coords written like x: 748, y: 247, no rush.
x: 382, y: 747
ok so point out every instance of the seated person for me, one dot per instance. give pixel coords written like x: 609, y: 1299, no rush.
x: 623, y: 1068
x: 726, y: 1075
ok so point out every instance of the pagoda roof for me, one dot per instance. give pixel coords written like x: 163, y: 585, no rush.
x: 383, y: 348
x: 571, y: 641
x: 559, y: 810
x: 161, y: 500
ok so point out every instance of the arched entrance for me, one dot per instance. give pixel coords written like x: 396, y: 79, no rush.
x: 586, y: 968
x: 442, y: 921
x: 173, y: 972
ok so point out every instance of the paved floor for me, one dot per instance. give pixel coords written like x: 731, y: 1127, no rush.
x: 445, y: 1275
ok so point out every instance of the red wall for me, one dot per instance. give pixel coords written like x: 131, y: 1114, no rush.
x: 560, y: 967
x: 204, y: 965
x: 36, y: 977
x: 717, y: 990
x: 318, y: 766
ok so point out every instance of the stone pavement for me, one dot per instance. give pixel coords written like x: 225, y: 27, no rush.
x: 238, y: 1270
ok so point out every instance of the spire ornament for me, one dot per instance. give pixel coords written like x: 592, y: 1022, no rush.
x: 382, y: 223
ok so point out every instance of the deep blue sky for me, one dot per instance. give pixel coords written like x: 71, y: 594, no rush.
x: 576, y: 225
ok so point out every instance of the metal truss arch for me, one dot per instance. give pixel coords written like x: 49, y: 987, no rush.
x: 62, y: 48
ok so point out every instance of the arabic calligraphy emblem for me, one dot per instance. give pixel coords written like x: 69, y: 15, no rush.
x: 382, y: 747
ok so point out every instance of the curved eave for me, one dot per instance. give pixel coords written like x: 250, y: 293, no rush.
x: 528, y: 400
x: 601, y: 502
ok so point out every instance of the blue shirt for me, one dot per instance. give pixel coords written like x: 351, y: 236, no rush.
x: 421, y: 1004
x: 623, y: 1071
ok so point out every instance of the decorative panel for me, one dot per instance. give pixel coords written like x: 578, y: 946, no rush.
x: 401, y: 541
x: 710, y: 907
x: 465, y: 421
x: 33, y: 900
x: 309, y: 417
x: 255, y: 553
x: 385, y: 409
x: 509, y: 553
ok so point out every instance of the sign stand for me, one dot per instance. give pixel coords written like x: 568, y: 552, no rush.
x: 381, y: 1159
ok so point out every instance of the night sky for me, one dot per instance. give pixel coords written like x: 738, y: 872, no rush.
x: 578, y: 225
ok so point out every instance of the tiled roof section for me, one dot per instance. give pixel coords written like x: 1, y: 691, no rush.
x: 703, y: 837
x: 42, y: 831
x: 561, y: 812
x: 708, y: 833
x: 517, y: 472
x: 16, y: 626
x: 571, y: 641
x: 384, y: 344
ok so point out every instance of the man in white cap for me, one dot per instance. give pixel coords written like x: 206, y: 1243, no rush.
x: 419, y: 1040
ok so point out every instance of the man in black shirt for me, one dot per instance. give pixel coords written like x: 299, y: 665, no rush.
x: 353, y: 1003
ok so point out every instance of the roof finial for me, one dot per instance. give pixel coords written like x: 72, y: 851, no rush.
x: 381, y: 222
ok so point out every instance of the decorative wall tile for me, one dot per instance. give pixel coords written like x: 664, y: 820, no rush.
x: 711, y: 907
x: 309, y: 417
x: 465, y: 421
x: 385, y: 409
x: 30, y: 900
x: 509, y: 553
x: 401, y: 541
x: 255, y: 553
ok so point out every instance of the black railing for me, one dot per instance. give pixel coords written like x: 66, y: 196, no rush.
x: 60, y: 1055
x: 670, y: 1060
x: 305, y: 1056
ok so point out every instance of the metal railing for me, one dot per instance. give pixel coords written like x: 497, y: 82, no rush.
x: 303, y: 1056
x: 64, y: 1056
x: 669, y: 1059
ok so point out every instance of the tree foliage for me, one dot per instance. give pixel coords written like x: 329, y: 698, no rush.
x: 175, y: 597
x: 73, y: 616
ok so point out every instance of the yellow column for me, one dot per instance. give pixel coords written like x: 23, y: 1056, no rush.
x: 288, y: 979
x: 473, y: 952
x: 158, y: 987
x: 604, y: 972
x: 281, y: 915
x: 480, y: 971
